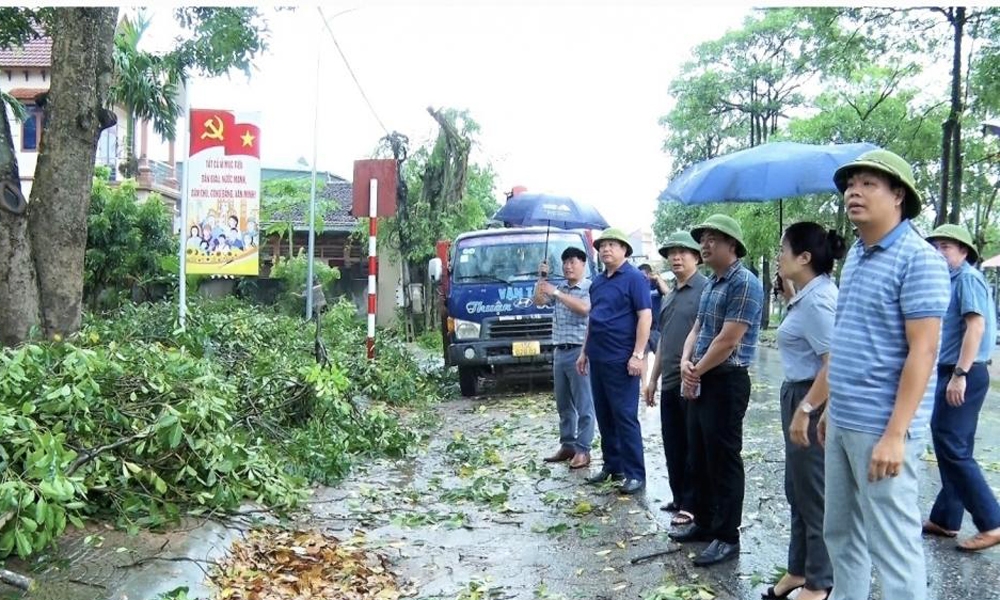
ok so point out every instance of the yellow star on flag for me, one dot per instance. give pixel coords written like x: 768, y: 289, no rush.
x: 247, y: 139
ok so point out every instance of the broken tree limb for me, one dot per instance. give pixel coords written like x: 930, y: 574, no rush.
x: 17, y: 580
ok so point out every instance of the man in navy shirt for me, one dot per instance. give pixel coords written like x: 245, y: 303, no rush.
x: 615, y: 349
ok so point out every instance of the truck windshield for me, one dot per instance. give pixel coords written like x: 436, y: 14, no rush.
x: 508, y: 258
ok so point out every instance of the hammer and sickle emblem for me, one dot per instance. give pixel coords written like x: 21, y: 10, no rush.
x: 213, y: 129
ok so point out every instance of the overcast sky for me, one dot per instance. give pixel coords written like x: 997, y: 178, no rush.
x: 567, y: 94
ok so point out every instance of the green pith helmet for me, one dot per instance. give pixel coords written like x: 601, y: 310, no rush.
x: 956, y: 233
x: 613, y: 233
x: 680, y: 239
x: 889, y: 163
x: 726, y: 225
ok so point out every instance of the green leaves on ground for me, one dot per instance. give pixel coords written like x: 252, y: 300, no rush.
x: 134, y: 419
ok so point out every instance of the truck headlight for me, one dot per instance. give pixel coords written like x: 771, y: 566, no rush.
x: 466, y: 330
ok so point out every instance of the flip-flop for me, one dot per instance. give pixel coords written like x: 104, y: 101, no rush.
x: 770, y: 595
x: 682, y: 517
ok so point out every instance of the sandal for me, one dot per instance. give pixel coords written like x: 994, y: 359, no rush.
x: 770, y: 595
x: 682, y: 517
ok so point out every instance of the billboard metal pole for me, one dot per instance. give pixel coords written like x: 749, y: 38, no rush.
x: 182, y: 278
x: 312, y: 194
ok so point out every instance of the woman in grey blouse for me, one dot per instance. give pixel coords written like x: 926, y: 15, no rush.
x: 808, y: 252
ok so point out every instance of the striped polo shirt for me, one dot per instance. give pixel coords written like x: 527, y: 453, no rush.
x: 900, y: 277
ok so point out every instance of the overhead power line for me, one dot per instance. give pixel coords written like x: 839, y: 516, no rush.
x: 351, y: 71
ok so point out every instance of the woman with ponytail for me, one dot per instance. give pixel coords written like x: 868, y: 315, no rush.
x: 808, y: 252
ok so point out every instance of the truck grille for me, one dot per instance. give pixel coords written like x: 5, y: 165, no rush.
x: 538, y: 328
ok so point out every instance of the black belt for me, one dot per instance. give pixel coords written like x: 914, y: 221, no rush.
x: 567, y: 346
x: 975, y: 364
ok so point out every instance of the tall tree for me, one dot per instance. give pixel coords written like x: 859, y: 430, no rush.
x: 446, y: 194
x: 42, y: 242
x: 740, y: 89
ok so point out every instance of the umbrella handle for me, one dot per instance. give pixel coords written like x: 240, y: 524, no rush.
x: 545, y: 255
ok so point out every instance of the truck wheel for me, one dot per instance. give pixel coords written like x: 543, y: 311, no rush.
x: 468, y: 381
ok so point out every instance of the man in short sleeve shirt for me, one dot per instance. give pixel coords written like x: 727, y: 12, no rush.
x: 714, y: 362
x: 894, y: 290
x: 574, y: 400
x: 615, y: 349
x: 968, y: 334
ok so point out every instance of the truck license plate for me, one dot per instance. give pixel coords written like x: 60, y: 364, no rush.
x: 527, y: 348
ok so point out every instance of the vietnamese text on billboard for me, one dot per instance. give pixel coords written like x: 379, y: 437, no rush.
x: 222, y: 233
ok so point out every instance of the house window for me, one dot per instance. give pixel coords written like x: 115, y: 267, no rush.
x: 31, y: 129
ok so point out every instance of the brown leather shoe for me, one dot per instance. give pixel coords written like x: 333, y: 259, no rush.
x: 980, y: 541
x: 580, y: 460
x: 932, y: 528
x: 564, y: 454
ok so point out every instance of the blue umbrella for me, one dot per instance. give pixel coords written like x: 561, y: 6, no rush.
x: 772, y: 171
x: 766, y: 172
x: 528, y: 209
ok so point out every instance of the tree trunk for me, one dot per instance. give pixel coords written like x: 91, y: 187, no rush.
x: 956, y: 115
x: 82, y: 41
x: 956, y: 178
x: 18, y: 282
x: 951, y: 137
x: 946, y: 135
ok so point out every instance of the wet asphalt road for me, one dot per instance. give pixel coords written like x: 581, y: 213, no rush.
x: 474, y: 514
x: 556, y: 537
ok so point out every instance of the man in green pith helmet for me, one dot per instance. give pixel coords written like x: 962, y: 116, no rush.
x: 714, y: 363
x: 615, y: 350
x: 677, y: 314
x: 968, y: 334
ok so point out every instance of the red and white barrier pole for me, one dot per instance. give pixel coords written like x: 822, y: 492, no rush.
x: 372, y: 262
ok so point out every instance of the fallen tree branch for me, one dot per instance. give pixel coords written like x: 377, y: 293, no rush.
x: 91, y: 455
x: 17, y: 580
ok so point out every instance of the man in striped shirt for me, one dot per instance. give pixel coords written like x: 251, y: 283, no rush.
x: 894, y: 291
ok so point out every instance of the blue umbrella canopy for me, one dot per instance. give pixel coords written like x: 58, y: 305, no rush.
x: 767, y: 172
x: 561, y: 212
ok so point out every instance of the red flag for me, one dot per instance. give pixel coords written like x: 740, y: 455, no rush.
x: 211, y: 128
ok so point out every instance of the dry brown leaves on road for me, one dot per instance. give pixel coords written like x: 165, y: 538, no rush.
x: 284, y: 565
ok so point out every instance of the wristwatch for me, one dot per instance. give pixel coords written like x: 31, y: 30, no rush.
x: 806, y: 407
x: 638, y: 355
x: 556, y: 293
x: 959, y: 372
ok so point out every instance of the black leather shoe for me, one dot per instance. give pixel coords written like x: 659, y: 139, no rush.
x: 717, y: 552
x: 603, y: 476
x: 632, y: 486
x: 691, y: 533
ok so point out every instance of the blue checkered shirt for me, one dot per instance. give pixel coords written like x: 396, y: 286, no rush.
x: 567, y: 326
x: 736, y: 296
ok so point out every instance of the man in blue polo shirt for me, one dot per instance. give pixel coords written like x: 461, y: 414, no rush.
x: 714, y: 378
x: 894, y: 290
x: 615, y: 347
x: 968, y: 335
